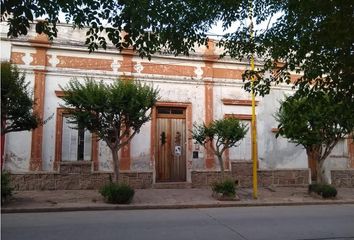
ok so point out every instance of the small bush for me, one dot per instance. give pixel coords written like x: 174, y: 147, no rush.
x: 314, y: 187
x: 226, y: 187
x: 6, y: 189
x: 328, y: 191
x: 117, y: 193
x: 324, y: 190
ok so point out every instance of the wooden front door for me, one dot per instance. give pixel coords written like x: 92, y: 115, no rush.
x: 171, y: 145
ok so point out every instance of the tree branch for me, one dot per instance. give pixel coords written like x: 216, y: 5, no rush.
x: 328, y: 149
x: 128, y: 140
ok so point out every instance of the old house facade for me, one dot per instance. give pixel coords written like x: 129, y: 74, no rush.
x: 194, y: 89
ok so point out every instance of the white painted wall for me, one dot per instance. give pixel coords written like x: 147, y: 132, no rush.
x: 5, y: 51
x: 18, y: 144
x: 338, y: 159
x: 17, y: 151
x: 51, y: 103
x: 105, y: 159
x: 140, y: 149
x: 275, y: 153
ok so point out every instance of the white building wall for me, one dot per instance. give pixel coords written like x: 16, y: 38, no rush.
x: 5, y: 51
x: 140, y: 149
x: 275, y: 152
x: 105, y: 159
x: 17, y: 147
x: 17, y: 151
x: 51, y: 103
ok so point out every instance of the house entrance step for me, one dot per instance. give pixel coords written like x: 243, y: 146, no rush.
x: 172, y: 185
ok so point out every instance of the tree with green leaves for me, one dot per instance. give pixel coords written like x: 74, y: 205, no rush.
x: 220, y: 135
x: 311, y: 38
x: 16, y: 102
x: 317, y: 122
x: 114, y: 112
x: 149, y: 26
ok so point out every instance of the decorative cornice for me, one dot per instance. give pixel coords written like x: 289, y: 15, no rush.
x: 238, y: 102
x: 239, y: 116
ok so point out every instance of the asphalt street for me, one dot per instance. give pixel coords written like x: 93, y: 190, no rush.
x: 292, y: 222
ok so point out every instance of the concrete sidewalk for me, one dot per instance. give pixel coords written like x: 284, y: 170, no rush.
x: 83, y: 200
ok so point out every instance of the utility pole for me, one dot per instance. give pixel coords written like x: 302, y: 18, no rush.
x: 253, y: 121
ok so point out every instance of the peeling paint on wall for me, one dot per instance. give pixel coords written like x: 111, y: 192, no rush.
x: 104, y: 157
x: 141, y: 163
x: 15, y: 163
x: 199, y: 163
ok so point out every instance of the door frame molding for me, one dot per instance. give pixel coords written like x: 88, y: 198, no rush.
x: 189, y: 125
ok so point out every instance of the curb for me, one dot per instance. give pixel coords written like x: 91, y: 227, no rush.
x: 168, y: 206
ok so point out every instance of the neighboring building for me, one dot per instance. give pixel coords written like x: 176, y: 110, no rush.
x: 193, y: 89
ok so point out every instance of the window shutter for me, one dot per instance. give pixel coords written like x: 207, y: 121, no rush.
x: 69, y: 141
x: 243, y: 149
x: 87, y: 146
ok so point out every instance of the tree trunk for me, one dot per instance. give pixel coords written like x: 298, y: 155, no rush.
x: 316, y: 165
x: 221, y: 162
x: 321, y: 173
x: 3, y: 125
x: 115, y: 164
x: 313, y: 157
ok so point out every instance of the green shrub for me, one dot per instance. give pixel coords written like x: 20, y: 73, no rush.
x: 328, y: 191
x: 226, y: 187
x: 6, y: 189
x: 117, y: 193
x: 324, y: 190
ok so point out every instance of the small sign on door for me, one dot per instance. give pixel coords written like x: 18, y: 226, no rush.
x: 178, y: 151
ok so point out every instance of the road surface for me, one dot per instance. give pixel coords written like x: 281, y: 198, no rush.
x: 293, y: 222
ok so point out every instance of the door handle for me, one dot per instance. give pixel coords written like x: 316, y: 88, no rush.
x: 163, y: 138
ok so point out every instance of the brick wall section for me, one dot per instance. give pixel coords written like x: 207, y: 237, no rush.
x: 74, y: 176
x: 241, y: 172
x: 343, y: 178
x: 59, y: 181
x: 82, y: 167
x: 283, y: 177
x: 206, y: 178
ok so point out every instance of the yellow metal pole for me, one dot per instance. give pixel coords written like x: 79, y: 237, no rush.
x: 253, y: 121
